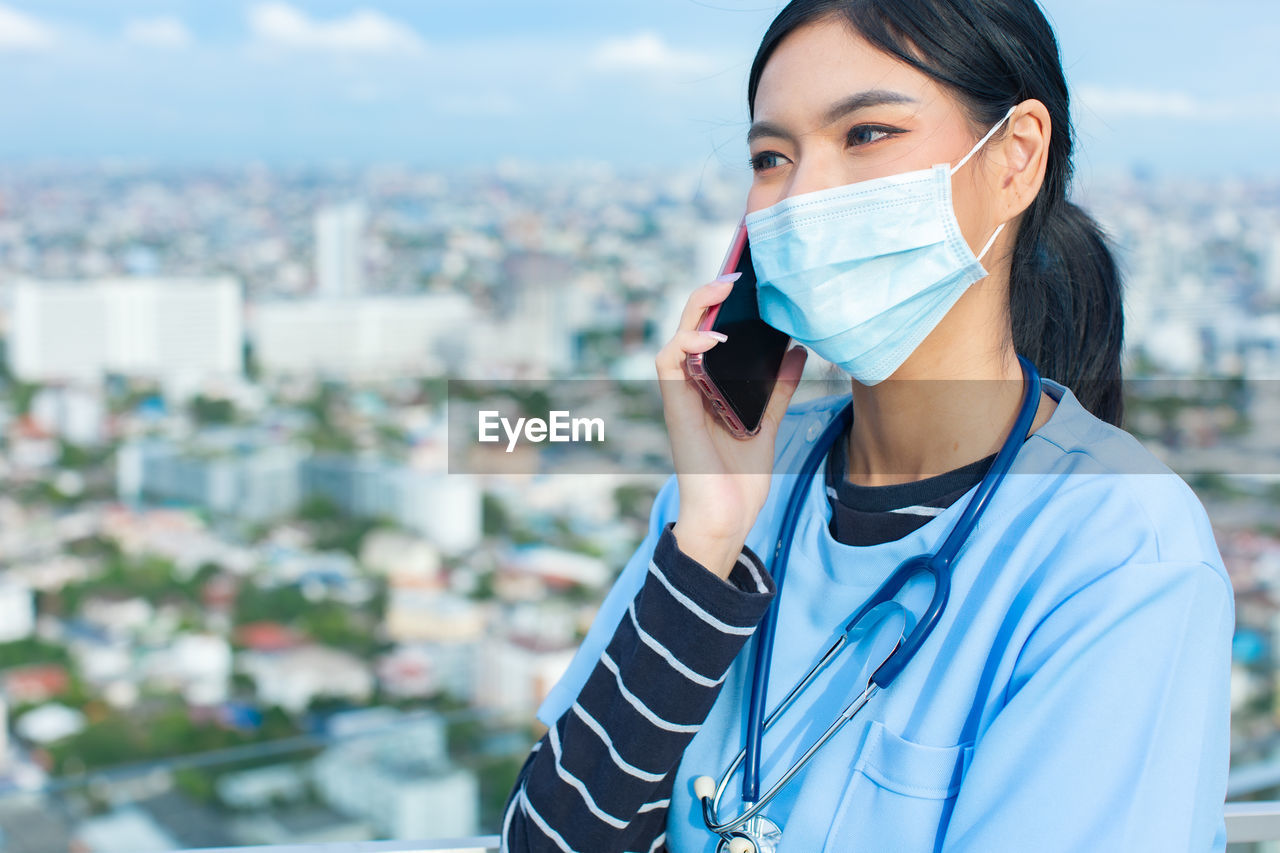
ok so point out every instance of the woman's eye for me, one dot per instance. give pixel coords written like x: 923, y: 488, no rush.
x: 766, y: 160
x: 865, y: 134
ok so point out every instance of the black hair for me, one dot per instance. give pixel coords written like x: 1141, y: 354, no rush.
x: 1064, y: 286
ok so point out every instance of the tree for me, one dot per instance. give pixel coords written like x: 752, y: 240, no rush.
x: 494, y: 519
x: 23, y: 394
x: 31, y: 650
x: 279, y: 604
x: 212, y: 410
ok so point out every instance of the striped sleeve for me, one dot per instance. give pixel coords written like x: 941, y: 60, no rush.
x: 600, y: 780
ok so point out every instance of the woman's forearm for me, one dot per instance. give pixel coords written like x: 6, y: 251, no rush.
x: 600, y: 780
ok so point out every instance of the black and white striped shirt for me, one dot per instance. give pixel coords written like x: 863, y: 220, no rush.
x: 600, y: 780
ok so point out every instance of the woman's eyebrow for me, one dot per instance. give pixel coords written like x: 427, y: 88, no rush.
x: 862, y: 100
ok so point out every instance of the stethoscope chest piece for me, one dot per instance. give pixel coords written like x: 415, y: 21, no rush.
x: 759, y: 835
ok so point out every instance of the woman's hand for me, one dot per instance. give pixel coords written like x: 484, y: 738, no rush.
x: 723, y: 480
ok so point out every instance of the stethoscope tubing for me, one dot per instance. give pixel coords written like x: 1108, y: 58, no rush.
x: 764, y: 636
x: 938, y: 565
x: 710, y: 810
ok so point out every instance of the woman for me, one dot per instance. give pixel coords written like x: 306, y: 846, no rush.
x: 1073, y: 695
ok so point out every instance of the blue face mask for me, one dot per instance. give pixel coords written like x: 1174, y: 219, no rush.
x: 862, y: 273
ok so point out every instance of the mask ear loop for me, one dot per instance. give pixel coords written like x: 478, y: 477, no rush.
x: 991, y: 242
x: 974, y: 150
x: 983, y: 141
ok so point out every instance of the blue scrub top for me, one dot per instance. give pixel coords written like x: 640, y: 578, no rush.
x: 1073, y: 696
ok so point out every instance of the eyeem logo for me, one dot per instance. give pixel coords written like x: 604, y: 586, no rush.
x: 561, y: 427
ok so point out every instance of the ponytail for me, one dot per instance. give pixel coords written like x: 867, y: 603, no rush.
x: 1064, y: 288
x: 1065, y: 304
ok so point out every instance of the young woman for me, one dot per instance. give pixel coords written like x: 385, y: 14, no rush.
x: 1072, y: 694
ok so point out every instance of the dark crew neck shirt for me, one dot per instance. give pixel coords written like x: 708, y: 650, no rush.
x: 871, y: 515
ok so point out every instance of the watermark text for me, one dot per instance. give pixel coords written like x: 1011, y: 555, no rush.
x: 560, y: 427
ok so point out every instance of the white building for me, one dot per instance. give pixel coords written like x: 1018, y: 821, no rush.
x: 401, y: 782
x: 420, y: 613
x: 445, y: 509
x: 408, y: 671
x: 49, y: 723
x: 1271, y: 267
x: 127, y: 830
x: 340, y: 250
x: 556, y: 566
x: 398, y: 555
x: 292, y: 678
x: 246, y: 477
x: 119, y: 616
x: 180, y: 331
x: 425, y: 669
x: 103, y: 664
x: 514, y: 675
x: 76, y: 414
x: 258, y: 787
x: 199, y: 665
x: 17, y: 610
x: 4, y: 734
x: 361, y: 338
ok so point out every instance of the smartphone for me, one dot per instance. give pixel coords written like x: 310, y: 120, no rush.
x: 738, y: 375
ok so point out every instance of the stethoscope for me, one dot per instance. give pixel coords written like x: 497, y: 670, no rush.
x: 750, y: 831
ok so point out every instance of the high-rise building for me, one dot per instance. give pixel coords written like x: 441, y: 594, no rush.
x: 227, y: 473
x: 369, y: 337
x: 179, y: 331
x: 17, y: 611
x: 340, y: 250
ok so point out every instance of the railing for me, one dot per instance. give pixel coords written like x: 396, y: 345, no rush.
x: 479, y: 844
x: 1246, y: 822
x: 1253, y: 821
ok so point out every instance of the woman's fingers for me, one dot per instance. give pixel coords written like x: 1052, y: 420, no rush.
x: 670, y: 360
x: 702, y: 298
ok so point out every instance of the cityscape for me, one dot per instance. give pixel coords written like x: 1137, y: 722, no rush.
x: 262, y: 263
x: 244, y: 599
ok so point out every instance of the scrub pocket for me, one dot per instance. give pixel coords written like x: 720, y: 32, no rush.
x: 900, y: 794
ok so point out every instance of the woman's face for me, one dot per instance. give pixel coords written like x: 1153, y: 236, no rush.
x: 831, y: 109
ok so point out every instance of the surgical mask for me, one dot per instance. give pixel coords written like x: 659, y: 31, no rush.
x: 862, y: 273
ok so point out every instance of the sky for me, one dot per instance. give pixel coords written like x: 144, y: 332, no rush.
x: 1174, y: 87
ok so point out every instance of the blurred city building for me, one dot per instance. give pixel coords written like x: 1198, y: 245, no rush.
x: 340, y: 231
x: 227, y: 522
x: 400, y: 779
x: 178, y: 331
x: 365, y: 337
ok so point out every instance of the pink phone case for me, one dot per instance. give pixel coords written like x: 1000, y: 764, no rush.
x: 695, y: 365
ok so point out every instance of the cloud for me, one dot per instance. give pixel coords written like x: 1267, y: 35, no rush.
x: 1138, y: 103
x: 485, y: 105
x: 166, y: 32
x: 20, y: 31
x: 362, y: 31
x: 644, y: 52
x: 1110, y: 102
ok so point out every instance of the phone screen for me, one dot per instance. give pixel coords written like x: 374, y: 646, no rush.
x: 745, y: 367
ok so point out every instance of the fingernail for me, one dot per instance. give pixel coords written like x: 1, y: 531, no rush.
x: 729, y: 277
x: 718, y: 336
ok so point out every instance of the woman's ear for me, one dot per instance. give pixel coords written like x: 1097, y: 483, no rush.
x: 1021, y: 157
